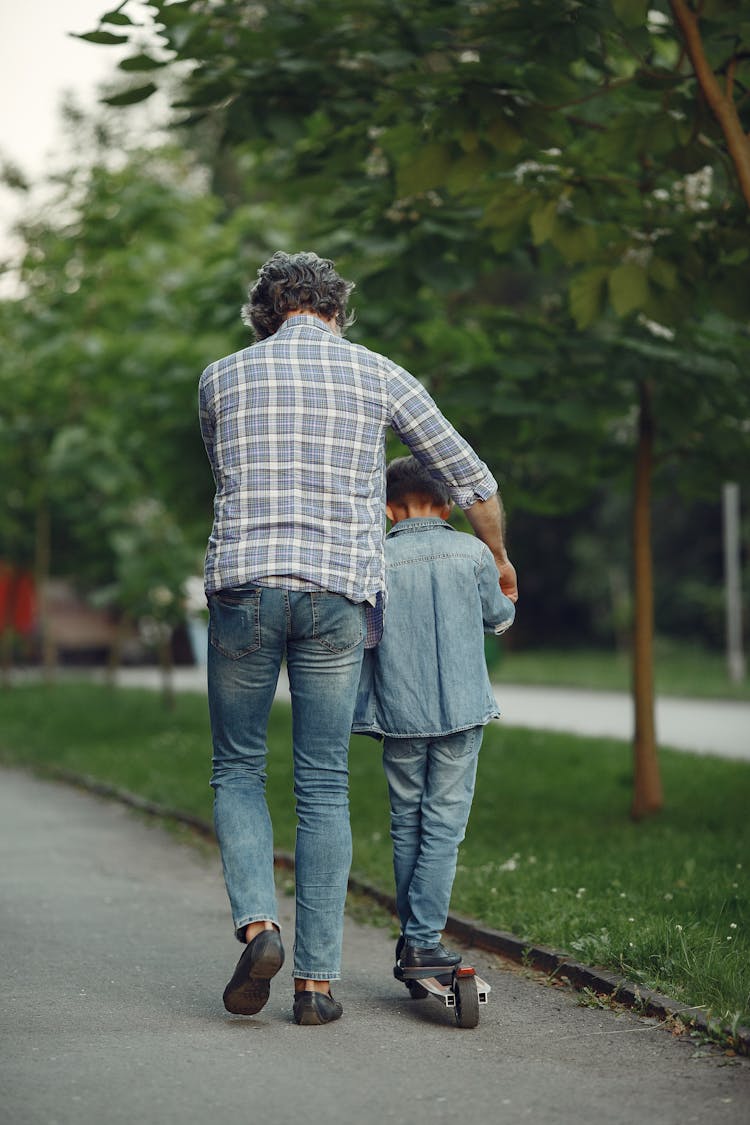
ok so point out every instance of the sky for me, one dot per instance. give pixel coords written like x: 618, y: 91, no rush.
x: 39, y: 61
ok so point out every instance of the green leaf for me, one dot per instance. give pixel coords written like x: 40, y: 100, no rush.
x: 107, y: 38
x: 663, y: 273
x: 116, y: 17
x: 543, y: 222
x: 503, y: 136
x: 139, y: 63
x: 631, y: 12
x: 576, y: 242
x: 586, y: 295
x: 429, y: 169
x: 628, y: 288
x: 130, y: 97
x: 465, y: 173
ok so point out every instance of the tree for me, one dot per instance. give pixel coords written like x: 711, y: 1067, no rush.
x: 125, y: 293
x: 451, y: 147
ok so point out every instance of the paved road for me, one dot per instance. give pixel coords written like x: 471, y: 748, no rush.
x: 703, y: 726
x: 116, y: 946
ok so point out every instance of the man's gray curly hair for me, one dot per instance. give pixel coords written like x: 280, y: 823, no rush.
x: 296, y: 281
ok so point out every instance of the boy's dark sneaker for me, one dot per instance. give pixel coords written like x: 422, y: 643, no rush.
x: 433, y: 959
x: 311, y: 1008
x: 250, y: 987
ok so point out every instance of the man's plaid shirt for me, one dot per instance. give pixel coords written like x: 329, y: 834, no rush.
x: 294, y: 427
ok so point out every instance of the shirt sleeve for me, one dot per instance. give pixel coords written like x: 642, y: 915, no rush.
x: 415, y: 417
x: 206, y: 419
x: 498, y: 611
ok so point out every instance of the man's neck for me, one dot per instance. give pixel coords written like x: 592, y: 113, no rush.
x: 329, y: 321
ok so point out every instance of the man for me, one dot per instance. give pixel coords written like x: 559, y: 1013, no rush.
x: 294, y: 428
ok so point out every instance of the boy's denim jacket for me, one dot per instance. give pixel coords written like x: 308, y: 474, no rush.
x: 428, y: 675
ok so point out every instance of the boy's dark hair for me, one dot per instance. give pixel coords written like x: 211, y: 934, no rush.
x: 406, y: 477
x: 295, y: 281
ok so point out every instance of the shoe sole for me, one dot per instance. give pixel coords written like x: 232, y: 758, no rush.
x: 427, y: 971
x: 250, y: 987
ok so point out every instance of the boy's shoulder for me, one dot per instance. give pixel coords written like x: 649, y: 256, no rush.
x: 432, y: 539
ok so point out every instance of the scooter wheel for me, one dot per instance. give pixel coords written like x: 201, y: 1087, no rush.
x: 467, y: 1001
x: 416, y: 991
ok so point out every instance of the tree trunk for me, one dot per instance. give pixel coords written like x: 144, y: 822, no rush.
x: 647, y: 790
x: 721, y: 101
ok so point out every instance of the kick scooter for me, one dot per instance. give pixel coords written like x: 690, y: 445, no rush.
x: 462, y: 989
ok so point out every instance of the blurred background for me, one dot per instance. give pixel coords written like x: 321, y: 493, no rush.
x: 546, y: 223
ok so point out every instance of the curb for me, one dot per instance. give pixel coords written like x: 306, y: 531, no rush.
x: 553, y: 962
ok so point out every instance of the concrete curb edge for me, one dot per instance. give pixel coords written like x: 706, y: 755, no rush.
x: 553, y: 962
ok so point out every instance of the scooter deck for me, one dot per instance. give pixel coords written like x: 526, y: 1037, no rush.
x: 443, y: 986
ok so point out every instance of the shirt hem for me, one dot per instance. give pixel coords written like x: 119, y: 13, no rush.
x: 374, y: 729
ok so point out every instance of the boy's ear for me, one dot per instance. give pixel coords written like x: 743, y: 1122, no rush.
x: 390, y: 513
x: 446, y: 510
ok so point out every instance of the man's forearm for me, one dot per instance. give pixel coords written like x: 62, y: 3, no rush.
x: 488, y: 520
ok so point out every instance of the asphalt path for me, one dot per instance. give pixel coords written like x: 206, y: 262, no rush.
x: 116, y: 946
x: 703, y: 726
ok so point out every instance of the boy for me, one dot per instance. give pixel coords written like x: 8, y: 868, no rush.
x: 426, y: 691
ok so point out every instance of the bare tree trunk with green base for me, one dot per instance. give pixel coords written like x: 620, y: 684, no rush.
x: 647, y: 789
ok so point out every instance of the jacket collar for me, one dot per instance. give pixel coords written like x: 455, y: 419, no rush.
x: 419, y: 523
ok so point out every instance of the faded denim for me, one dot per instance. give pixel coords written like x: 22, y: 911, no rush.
x: 431, y: 785
x: 251, y: 629
x: 428, y: 675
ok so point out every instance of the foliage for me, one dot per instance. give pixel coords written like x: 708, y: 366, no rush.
x: 131, y: 283
x: 536, y: 202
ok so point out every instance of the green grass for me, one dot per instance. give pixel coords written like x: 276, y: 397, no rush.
x: 679, y: 670
x: 550, y: 853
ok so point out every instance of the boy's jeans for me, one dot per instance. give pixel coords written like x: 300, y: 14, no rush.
x: 431, y: 785
x: 322, y: 634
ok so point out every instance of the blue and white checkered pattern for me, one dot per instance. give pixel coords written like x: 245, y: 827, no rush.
x: 294, y: 427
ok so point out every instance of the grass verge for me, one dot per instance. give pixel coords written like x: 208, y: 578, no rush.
x: 550, y: 853
x: 680, y: 670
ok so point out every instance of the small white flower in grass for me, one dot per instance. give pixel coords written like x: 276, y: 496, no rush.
x: 631, y: 919
x: 732, y: 925
x: 554, y: 890
x: 735, y: 885
x: 580, y: 892
x: 622, y: 894
x: 668, y: 896
x: 631, y: 944
x: 739, y: 866
x: 678, y: 927
x: 729, y: 937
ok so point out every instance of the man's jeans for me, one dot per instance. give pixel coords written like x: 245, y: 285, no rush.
x: 431, y: 785
x: 322, y: 635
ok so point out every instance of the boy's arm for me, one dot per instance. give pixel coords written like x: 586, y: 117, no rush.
x: 486, y: 517
x: 498, y: 611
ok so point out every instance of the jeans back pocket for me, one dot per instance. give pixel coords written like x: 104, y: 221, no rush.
x: 338, y: 624
x: 234, y: 622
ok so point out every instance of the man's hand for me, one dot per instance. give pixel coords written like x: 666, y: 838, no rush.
x: 508, y: 580
x: 486, y: 517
